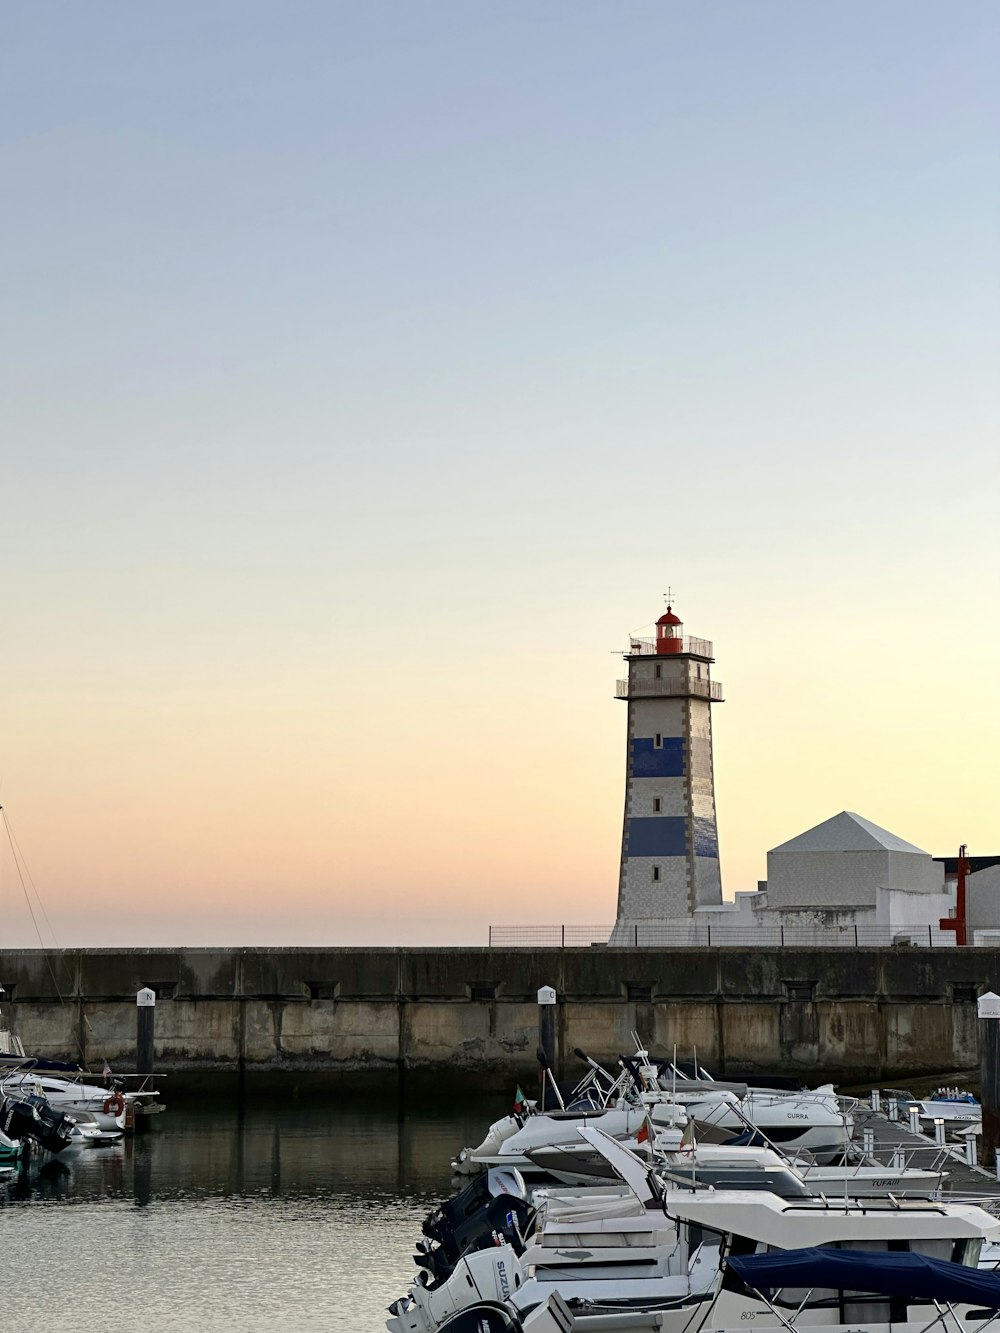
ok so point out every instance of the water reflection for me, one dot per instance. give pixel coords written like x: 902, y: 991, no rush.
x: 228, y: 1219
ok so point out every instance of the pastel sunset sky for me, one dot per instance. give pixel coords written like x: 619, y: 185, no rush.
x: 368, y: 372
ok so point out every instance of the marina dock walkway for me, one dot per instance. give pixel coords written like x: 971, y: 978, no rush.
x: 892, y: 1136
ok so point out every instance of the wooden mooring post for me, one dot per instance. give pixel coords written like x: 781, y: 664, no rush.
x: 988, y: 1008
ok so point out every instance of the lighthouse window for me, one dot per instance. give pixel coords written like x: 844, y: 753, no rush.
x: 659, y: 671
x: 656, y: 805
x: 657, y: 742
x: 656, y: 874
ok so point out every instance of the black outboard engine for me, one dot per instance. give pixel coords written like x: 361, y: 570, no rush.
x: 501, y: 1218
x: 455, y: 1212
x: 471, y: 1220
x: 483, y: 1318
x: 473, y: 1213
x: 36, y: 1119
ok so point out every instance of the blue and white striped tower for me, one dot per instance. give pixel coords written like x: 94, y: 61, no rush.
x: 670, y: 842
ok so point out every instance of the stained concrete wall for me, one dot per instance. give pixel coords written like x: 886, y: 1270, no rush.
x: 837, y: 1013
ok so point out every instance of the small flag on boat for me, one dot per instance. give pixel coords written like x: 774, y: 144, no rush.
x: 645, y: 1132
x: 520, y: 1102
x: 687, y: 1138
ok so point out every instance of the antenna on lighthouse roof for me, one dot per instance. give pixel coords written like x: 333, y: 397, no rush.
x: 668, y: 597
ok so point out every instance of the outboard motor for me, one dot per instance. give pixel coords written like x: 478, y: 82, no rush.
x: 461, y: 1225
x: 452, y: 1213
x: 488, y: 1318
x: 34, y: 1118
x: 504, y: 1218
x: 56, y: 1126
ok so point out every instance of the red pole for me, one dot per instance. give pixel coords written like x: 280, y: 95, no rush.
x: 958, y: 922
x: 961, y: 930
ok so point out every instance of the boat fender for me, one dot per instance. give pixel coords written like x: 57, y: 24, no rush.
x: 114, y: 1104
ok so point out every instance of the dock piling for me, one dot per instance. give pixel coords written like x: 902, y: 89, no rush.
x: 988, y: 1009
x: 547, y: 1032
x: 145, y: 1022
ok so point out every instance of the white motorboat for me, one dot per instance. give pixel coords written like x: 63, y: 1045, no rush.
x: 661, y: 1261
x: 817, y: 1121
x: 872, y: 1180
x: 73, y: 1094
x: 959, y: 1110
x: 726, y: 1166
x: 511, y: 1142
x: 103, y: 1107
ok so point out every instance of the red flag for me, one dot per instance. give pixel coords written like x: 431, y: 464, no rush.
x: 643, y: 1135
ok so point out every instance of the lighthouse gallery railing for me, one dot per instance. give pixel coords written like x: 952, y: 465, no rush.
x: 647, y: 647
x: 662, y: 689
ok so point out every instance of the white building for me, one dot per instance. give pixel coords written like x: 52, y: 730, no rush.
x: 982, y: 896
x: 848, y: 871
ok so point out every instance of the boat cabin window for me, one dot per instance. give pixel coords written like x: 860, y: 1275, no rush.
x: 968, y: 1251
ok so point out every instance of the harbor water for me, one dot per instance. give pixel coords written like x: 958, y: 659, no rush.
x: 233, y: 1220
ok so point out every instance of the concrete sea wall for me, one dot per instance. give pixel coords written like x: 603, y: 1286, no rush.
x: 851, y: 1015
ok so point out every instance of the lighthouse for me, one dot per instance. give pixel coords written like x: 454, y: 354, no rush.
x: 670, y: 842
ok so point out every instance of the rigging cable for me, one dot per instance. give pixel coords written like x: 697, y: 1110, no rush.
x: 21, y: 866
x: 19, y: 855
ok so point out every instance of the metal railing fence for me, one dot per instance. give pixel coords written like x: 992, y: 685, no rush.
x: 698, y: 935
x: 548, y: 937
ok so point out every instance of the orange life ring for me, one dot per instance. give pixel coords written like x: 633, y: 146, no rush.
x: 114, y: 1105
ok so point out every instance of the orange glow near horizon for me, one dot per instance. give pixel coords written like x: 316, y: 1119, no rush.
x: 409, y: 802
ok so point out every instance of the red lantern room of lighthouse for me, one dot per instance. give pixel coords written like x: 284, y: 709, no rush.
x: 669, y: 638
